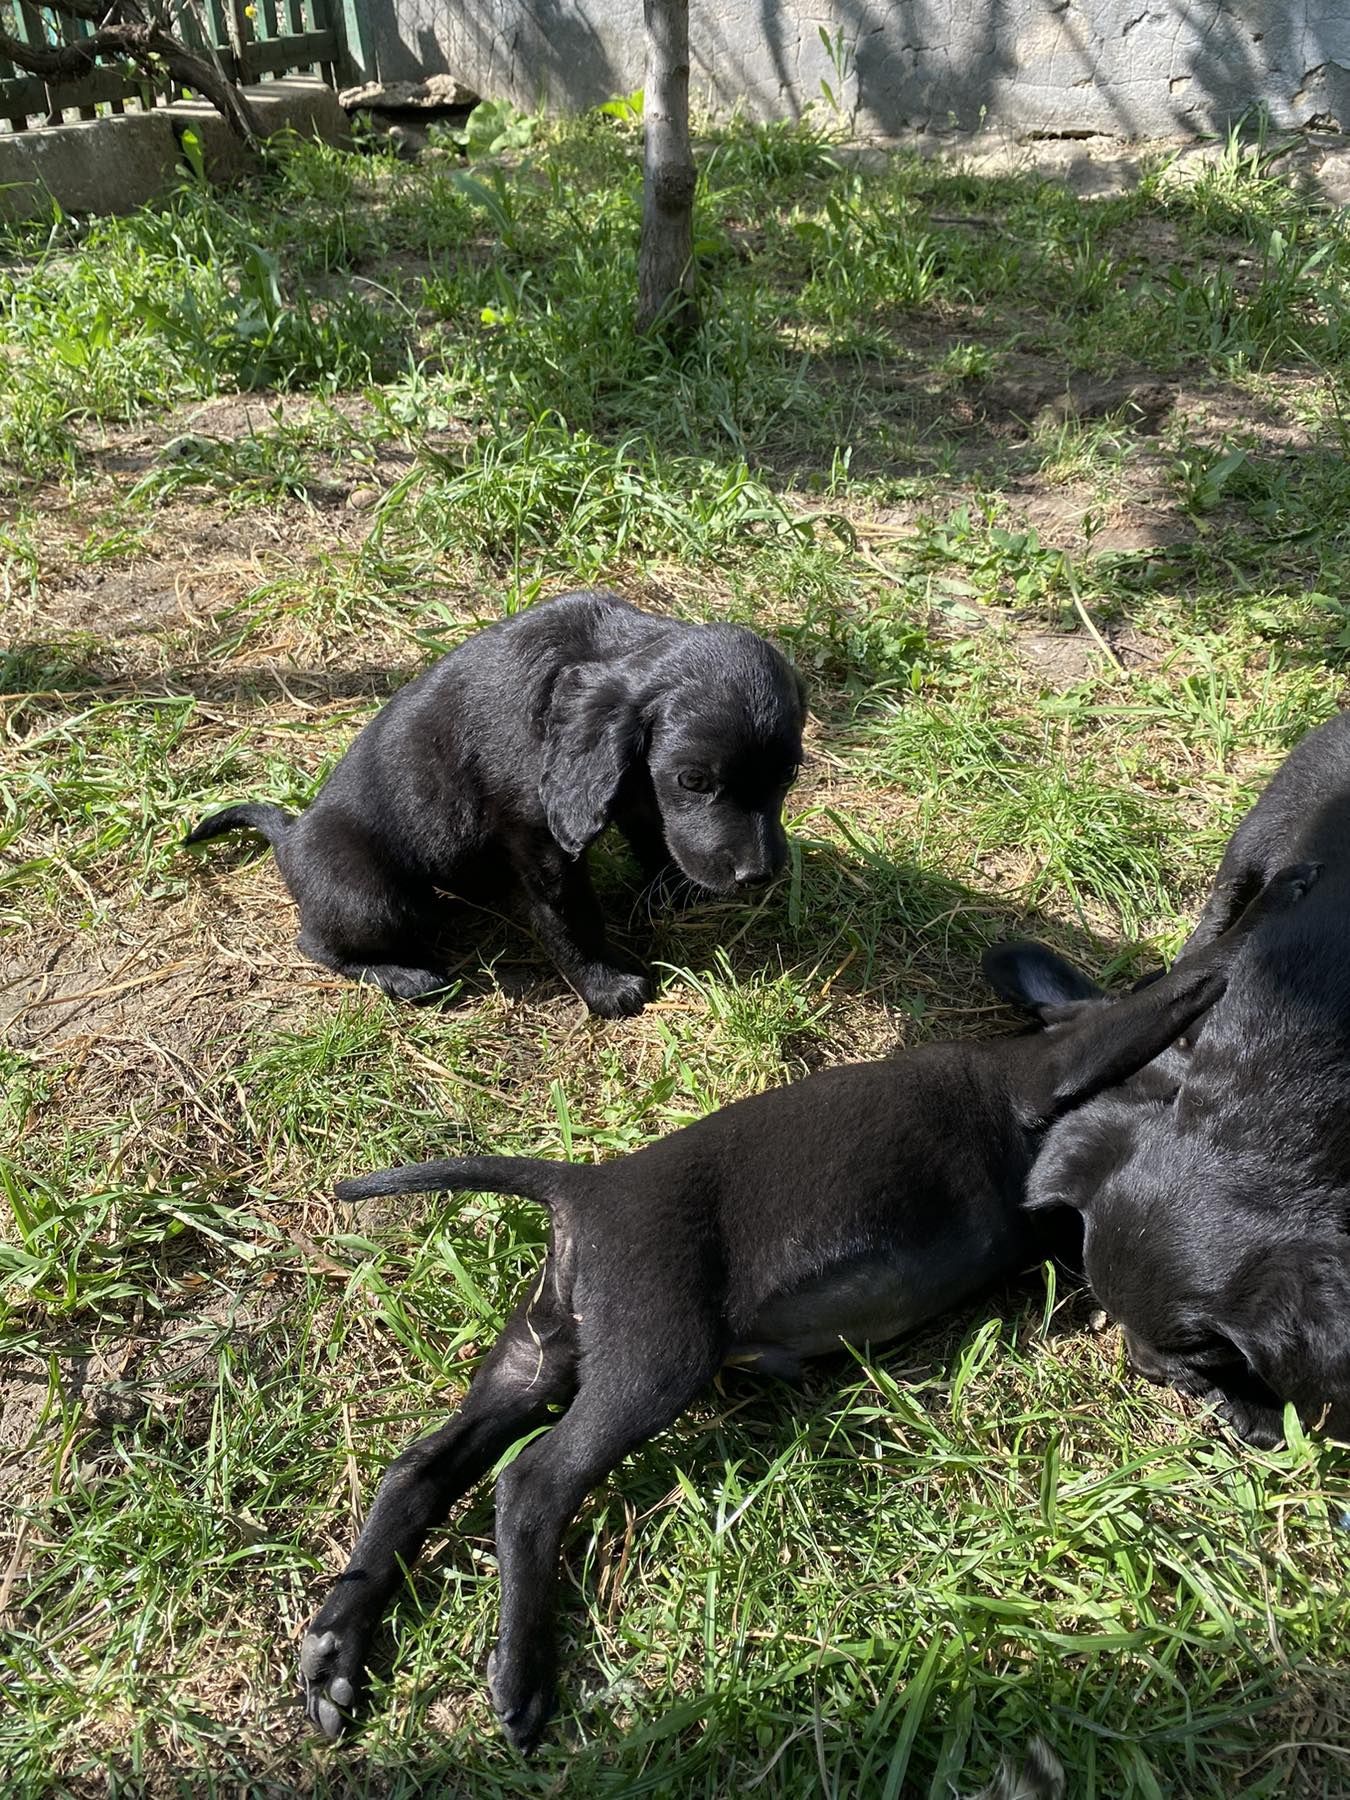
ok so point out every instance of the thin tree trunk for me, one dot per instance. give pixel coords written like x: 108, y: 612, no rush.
x: 666, y: 248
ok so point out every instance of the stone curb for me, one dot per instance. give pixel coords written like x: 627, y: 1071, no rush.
x: 1095, y: 164
x: 116, y: 164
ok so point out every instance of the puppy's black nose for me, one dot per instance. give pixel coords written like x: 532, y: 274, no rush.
x: 752, y: 875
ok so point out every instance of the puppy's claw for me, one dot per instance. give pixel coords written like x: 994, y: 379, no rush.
x: 330, y: 1697
x: 522, y: 1719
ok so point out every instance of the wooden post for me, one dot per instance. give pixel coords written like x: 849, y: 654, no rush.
x: 666, y: 247
x: 241, y: 42
x: 355, y: 51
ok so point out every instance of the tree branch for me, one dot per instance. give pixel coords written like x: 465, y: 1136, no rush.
x: 143, y: 43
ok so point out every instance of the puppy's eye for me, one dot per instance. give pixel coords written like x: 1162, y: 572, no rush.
x: 695, y: 781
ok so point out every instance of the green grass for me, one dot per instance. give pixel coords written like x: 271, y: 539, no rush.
x: 270, y: 452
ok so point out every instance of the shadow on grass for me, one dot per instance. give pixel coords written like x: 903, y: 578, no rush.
x: 56, y: 670
x: 909, y: 1681
x: 861, y: 925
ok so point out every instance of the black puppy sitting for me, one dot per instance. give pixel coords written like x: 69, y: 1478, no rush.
x: 1214, y: 1189
x: 496, y: 769
x: 850, y: 1206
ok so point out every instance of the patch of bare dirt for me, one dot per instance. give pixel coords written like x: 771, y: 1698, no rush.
x: 23, y: 1401
x: 190, y: 562
x: 1075, y: 520
x: 160, y: 977
x: 1020, y: 393
x: 1062, y: 660
x: 348, y: 459
x: 1219, y: 413
x: 1139, y: 526
x: 125, y: 602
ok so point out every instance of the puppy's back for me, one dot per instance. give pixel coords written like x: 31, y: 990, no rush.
x: 1304, y: 813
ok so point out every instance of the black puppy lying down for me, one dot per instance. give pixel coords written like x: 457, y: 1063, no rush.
x: 1215, y: 1189
x: 850, y: 1206
x: 494, y: 770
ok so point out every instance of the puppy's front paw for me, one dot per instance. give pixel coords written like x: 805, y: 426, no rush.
x: 615, y: 993
x: 332, y: 1664
x: 523, y: 1698
x: 1260, y: 1426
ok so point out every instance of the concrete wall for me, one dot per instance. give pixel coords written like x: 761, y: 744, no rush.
x: 1128, y: 67
x: 114, y: 165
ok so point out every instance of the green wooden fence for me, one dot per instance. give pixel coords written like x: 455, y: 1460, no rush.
x: 253, y: 40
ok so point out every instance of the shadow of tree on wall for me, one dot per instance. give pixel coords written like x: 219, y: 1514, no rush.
x: 916, y: 64
x: 567, y: 53
x: 918, y: 67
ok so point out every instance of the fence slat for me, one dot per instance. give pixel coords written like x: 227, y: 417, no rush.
x: 215, y: 19
x: 33, y: 34
x: 19, y: 95
x: 279, y: 38
x: 290, y: 53
x: 355, y: 60
x: 295, y: 26
x: 188, y: 21
x: 241, y: 39
x: 81, y: 28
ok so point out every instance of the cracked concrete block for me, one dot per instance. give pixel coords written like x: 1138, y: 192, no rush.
x: 114, y: 165
x: 73, y: 165
x: 299, y: 103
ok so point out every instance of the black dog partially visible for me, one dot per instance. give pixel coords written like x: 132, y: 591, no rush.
x: 496, y: 769
x: 1214, y: 1189
x: 850, y: 1206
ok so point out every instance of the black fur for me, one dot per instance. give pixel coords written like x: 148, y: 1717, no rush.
x: 1215, y: 1190
x: 849, y: 1207
x: 1039, y: 1777
x: 494, y: 771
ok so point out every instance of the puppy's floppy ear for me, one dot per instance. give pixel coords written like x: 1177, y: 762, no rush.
x: 1028, y: 975
x: 1082, y: 1150
x: 594, y: 732
x: 1287, y: 1311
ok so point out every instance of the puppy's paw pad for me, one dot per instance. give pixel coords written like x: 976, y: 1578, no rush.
x: 414, y: 985
x: 616, y: 993
x: 523, y: 1704
x: 329, y: 1668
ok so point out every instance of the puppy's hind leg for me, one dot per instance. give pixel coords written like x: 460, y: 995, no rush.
x: 626, y: 1397
x: 1248, y: 863
x: 400, y: 980
x: 529, y: 1369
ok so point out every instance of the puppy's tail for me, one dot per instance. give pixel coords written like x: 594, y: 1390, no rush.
x: 532, y: 1177
x: 271, y: 821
